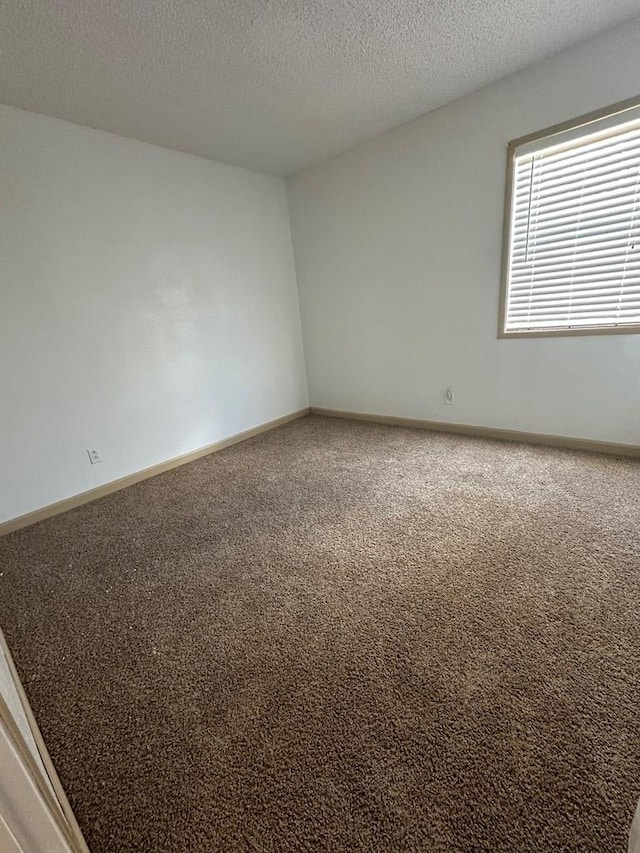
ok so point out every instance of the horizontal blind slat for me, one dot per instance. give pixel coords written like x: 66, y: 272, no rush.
x: 577, y: 274
x: 522, y: 290
x: 618, y: 174
x: 577, y: 306
x: 609, y: 242
x: 618, y: 170
x: 578, y: 193
x: 562, y: 230
x: 564, y: 327
x: 577, y: 317
x: 561, y: 296
x: 576, y: 257
x: 587, y: 211
x: 585, y: 276
x: 594, y: 151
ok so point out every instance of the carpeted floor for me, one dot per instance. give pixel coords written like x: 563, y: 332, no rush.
x: 342, y: 637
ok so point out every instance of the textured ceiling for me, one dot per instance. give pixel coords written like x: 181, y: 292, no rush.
x: 272, y: 84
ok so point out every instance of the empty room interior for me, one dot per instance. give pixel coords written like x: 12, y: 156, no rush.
x: 320, y: 426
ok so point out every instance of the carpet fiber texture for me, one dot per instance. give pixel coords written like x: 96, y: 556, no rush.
x: 341, y: 636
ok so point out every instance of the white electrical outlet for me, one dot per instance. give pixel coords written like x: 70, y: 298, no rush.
x: 94, y: 456
x: 449, y: 397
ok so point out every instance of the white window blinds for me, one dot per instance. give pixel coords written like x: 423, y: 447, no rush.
x: 574, y: 242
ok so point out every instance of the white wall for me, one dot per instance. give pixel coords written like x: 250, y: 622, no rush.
x: 148, y: 306
x: 398, y: 250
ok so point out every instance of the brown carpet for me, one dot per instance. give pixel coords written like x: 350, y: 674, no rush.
x: 342, y: 637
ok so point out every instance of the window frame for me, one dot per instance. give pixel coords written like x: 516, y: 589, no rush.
x: 573, y: 124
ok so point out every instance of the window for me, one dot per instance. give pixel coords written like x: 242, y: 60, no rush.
x: 572, y: 228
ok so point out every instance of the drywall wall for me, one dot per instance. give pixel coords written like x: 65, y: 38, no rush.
x: 149, y: 307
x: 398, y: 250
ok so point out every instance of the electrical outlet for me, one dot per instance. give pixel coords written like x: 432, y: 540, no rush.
x: 449, y: 397
x: 94, y: 456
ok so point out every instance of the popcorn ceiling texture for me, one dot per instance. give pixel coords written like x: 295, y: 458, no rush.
x: 342, y: 637
x: 272, y: 85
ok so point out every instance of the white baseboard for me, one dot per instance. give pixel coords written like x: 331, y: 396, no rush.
x: 611, y: 448
x: 122, y: 483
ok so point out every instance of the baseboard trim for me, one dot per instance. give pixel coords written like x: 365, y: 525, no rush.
x: 115, y: 485
x: 610, y: 448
